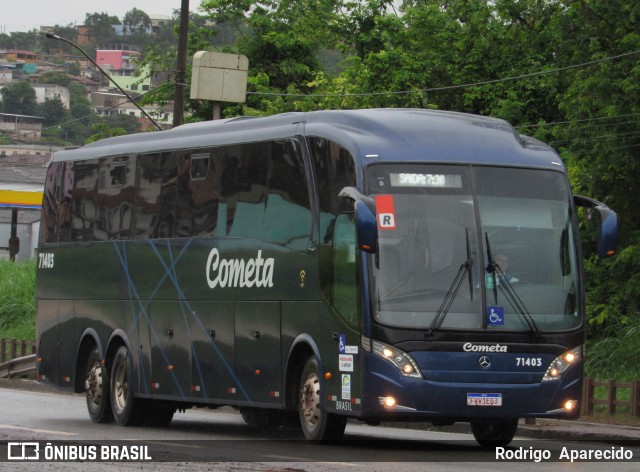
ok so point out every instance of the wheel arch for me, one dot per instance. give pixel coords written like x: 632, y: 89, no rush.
x: 88, y: 341
x: 302, y: 347
x: 118, y: 339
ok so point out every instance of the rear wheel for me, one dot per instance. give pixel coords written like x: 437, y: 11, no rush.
x: 123, y: 402
x: 494, y: 432
x: 96, y: 387
x: 317, y: 425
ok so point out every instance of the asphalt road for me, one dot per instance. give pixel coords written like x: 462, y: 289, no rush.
x: 219, y: 440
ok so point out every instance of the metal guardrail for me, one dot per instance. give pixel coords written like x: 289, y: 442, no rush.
x: 19, y: 367
x: 612, y: 401
x: 12, y: 348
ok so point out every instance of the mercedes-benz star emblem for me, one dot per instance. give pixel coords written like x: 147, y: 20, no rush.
x: 484, y: 361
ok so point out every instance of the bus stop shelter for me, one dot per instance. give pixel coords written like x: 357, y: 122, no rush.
x: 21, y: 189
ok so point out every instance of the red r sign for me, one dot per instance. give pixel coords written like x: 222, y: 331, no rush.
x: 386, y: 212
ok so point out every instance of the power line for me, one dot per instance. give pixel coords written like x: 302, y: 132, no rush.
x: 594, y: 138
x: 596, y: 151
x: 585, y: 120
x: 128, y: 99
x: 450, y: 87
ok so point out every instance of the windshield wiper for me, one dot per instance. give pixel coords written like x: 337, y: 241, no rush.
x: 450, y: 296
x: 509, y: 292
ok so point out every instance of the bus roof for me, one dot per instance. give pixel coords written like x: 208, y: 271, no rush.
x: 371, y: 135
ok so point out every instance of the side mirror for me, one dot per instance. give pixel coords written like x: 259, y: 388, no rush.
x: 366, y: 223
x: 607, y: 225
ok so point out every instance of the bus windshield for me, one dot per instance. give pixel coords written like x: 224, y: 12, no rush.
x: 474, y: 248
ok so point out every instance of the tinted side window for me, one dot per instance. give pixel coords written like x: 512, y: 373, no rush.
x: 114, y: 205
x: 56, y: 212
x: 244, y: 189
x: 334, y: 169
x: 156, y: 199
x: 345, y: 290
x: 198, y: 193
x: 287, y: 217
x: 84, y: 200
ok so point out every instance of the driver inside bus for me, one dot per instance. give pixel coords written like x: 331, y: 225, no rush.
x: 502, y: 263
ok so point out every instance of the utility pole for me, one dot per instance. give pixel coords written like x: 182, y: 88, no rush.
x: 178, y: 101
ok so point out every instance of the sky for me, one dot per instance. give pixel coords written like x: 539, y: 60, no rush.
x: 25, y: 15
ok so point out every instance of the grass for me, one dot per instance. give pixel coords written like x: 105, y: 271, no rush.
x: 17, y: 300
x: 615, y: 357
x: 617, y: 419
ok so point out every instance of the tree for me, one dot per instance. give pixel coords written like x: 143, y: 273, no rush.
x: 136, y: 21
x: 282, y: 40
x: 53, y: 111
x: 103, y: 130
x: 19, y: 98
x: 100, y: 27
x: 601, y: 139
x: 56, y: 77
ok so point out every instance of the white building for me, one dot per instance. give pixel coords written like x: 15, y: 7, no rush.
x: 51, y: 92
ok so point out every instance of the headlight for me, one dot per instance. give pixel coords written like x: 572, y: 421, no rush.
x: 403, y: 361
x: 561, y: 363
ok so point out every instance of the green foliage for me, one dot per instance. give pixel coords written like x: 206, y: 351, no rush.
x: 19, y: 98
x: 615, y: 357
x: 53, y: 111
x: 136, y: 19
x: 103, y: 130
x: 17, y: 302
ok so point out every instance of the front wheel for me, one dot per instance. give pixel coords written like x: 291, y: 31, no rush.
x: 494, y: 432
x: 317, y: 425
x: 123, y: 402
x: 262, y: 419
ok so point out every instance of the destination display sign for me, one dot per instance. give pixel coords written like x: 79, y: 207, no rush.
x: 410, y: 179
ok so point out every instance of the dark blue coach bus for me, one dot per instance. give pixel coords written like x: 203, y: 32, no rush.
x: 384, y: 265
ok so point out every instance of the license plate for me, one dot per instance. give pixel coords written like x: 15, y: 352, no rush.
x: 484, y: 399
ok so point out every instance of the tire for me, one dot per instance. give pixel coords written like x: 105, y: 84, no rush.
x: 317, y: 425
x: 153, y: 414
x: 96, y: 387
x: 255, y: 418
x: 264, y: 419
x: 124, y: 405
x: 494, y: 432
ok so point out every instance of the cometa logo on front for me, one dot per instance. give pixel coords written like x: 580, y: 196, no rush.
x: 470, y: 347
x: 254, y: 272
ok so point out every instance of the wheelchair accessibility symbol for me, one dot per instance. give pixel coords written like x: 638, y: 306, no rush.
x: 495, y: 316
x: 342, y: 342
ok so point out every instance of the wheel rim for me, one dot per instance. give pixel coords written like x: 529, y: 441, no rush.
x: 310, y: 402
x: 94, y: 385
x: 121, y: 391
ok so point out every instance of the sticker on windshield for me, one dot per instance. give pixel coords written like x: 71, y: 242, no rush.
x: 386, y: 212
x: 495, y: 316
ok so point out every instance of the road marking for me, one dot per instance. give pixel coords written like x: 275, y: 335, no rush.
x: 33, y: 430
x: 306, y: 459
x: 173, y: 444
